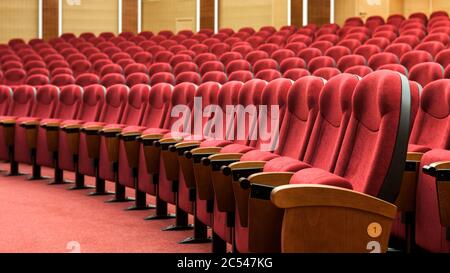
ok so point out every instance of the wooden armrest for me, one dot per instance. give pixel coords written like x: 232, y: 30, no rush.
x: 92, y: 129
x: 221, y: 160
x: 130, y: 136
x: 30, y: 124
x: 199, y: 153
x: 406, y: 199
x: 71, y: 128
x: 264, y: 220
x: 8, y: 122
x: 53, y: 125
x: 319, y: 218
x: 111, y: 132
x: 441, y: 171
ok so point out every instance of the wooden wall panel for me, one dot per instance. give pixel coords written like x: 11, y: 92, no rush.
x: 207, y: 14
x: 129, y: 15
x: 319, y: 12
x: 90, y: 16
x: 172, y: 15
x: 344, y: 9
x: 254, y: 13
x: 415, y: 6
x: 49, y: 19
x: 18, y: 19
x: 279, y: 13
x: 297, y: 12
x: 440, y: 5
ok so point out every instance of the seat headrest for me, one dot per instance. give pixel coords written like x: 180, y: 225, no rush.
x: 24, y: 93
x: 304, y: 96
x: 138, y: 95
x: 70, y: 94
x: 434, y: 97
x: 117, y: 95
x: 47, y: 94
x: 376, y: 95
x: 336, y: 97
x: 93, y: 94
x: 160, y: 95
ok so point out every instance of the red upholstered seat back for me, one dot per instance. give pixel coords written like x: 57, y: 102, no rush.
x: 24, y: 98
x: 301, y: 112
x: 349, y: 61
x: 112, y: 79
x: 70, y: 101
x: 411, y: 58
x: 93, y: 102
x: 137, y: 102
x: 335, y: 106
x: 228, y: 96
x: 432, y: 124
x: 6, y: 96
x: 158, y: 105
x: 116, y: 99
x: 424, y: 73
x: 183, y: 94
x: 382, y: 58
x: 274, y: 94
x: 87, y: 79
x: 374, y: 147
x: 46, y: 101
x: 250, y: 99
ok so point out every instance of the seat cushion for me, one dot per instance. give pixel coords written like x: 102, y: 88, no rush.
x: 417, y: 148
x: 285, y: 164
x: 215, y: 143
x: 258, y: 155
x: 236, y: 148
x: 319, y: 176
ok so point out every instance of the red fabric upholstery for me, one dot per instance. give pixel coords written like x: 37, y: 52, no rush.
x: 431, y: 128
x: 70, y: 101
x: 424, y: 73
x: 429, y: 234
x: 348, y: 61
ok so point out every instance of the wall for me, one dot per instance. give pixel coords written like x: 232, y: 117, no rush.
x: 18, y: 18
x: 90, y: 16
x: 168, y: 15
x: 254, y: 13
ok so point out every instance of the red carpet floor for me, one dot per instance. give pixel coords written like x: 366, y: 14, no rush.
x: 36, y: 217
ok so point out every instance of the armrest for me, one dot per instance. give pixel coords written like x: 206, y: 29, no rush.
x: 406, y: 199
x: 264, y: 220
x: 165, y: 143
x: 92, y: 130
x: 130, y: 136
x: 441, y: 171
x: 321, y: 218
x: 110, y: 132
x: 71, y: 128
x: 181, y: 147
x: 198, y: 153
x: 8, y: 122
x: 51, y: 126
x: 243, y: 169
x: 149, y: 139
x: 30, y: 124
x: 220, y: 160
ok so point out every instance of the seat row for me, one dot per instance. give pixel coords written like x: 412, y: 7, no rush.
x: 326, y: 133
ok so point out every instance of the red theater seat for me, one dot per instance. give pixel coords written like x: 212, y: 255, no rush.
x: 382, y: 58
x: 411, y: 58
x: 425, y: 73
x: 360, y: 70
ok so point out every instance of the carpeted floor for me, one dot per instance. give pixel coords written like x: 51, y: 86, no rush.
x: 36, y: 217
